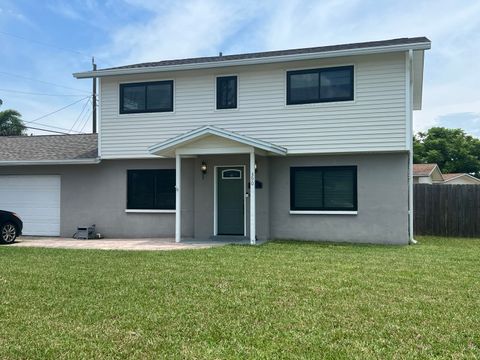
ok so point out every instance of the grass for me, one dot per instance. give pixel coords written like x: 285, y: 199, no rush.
x: 278, y: 300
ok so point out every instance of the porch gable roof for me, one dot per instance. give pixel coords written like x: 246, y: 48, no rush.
x: 170, y: 145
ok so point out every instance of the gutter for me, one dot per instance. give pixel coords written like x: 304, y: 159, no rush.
x: 409, y: 141
x: 254, y: 61
x: 50, y: 162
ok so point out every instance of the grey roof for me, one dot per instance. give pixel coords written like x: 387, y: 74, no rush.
x: 48, y: 147
x: 198, y: 60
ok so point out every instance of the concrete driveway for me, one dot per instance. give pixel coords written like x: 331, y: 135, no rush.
x: 115, y: 244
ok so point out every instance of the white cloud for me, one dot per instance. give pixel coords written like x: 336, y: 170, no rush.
x: 150, y: 30
x: 64, y: 9
x: 195, y: 28
x: 186, y: 29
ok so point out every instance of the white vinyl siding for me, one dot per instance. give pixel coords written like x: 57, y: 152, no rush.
x: 374, y: 121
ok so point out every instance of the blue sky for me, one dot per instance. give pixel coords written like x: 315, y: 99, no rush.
x: 49, y: 40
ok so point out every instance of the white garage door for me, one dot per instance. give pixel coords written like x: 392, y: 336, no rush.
x: 36, y: 199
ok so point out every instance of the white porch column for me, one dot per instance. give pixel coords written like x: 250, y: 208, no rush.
x: 178, y: 198
x: 252, y: 198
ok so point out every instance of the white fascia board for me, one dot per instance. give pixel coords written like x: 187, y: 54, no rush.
x: 194, y: 135
x: 49, y: 162
x: 290, y: 153
x: 347, y: 152
x: 255, y: 61
x: 418, y: 60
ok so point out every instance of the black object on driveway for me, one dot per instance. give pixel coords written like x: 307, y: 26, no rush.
x: 11, y: 226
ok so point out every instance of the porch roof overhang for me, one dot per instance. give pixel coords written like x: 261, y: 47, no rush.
x: 169, y: 147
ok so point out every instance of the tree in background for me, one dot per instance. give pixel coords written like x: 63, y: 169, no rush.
x: 452, y: 149
x: 11, y: 123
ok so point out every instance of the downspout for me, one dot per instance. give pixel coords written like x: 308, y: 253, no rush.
x: 409, y: 113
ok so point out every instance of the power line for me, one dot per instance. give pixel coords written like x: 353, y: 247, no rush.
x: 52, y: 126
x: 49, y: 45
x: 52, y: 131
x: 86, y: 120
x: 56, y: 111
x: 81, y: 113
x: 43, y: 44
x: 41, y: 81
x: 47, y: 125
x: 40, y: 94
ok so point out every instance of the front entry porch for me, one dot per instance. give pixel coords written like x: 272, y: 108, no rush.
x: 225, y: 167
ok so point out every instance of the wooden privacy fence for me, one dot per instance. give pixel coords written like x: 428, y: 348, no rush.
x: 446, y: 210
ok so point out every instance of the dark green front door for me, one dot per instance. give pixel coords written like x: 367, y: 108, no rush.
x: 230, y: 200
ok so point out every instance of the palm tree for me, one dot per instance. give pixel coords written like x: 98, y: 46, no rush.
x: 11, y: 123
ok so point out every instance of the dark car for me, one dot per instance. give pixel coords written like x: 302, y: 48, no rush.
x: 10, y: 227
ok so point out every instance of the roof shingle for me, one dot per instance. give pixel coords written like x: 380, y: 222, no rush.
x: 423, y: 169
x: 48, y: 147
x: 319, y: 49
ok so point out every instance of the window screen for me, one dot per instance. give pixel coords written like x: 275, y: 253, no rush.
x: 151, y: 189
x: 226, y: 92
x: 320, y: 85
x: 146, y: 97
x: 323, y: 188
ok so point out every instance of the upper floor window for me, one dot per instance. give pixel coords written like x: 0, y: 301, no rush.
x: 323, y: 188
x: 146, y: 97
x: 226, y: 92
x: 320, y: 85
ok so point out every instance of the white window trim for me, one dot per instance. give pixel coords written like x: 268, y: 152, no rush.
x: 320, y: 104
x: 238, y: 93
x: 150, y: 211
x: 148, y: 114
x: 322, y: 212
x: 232, y: 178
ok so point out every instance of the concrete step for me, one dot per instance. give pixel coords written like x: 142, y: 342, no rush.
x: 229, y: 238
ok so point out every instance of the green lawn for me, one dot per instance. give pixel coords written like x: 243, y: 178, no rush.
x: 278, y: 300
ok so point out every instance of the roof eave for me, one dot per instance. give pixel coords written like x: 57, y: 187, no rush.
x: 169, y: 145
x: 460, y: 175
x: 255, y: 61
x: 50, y: 162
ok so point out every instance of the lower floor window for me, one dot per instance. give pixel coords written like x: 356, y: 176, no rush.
x: 151, y: 189
x: 323, y: 188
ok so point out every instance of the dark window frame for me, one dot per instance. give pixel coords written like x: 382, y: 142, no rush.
x: 157, y: 172
x: 323, y: 169
x: 319, y: 72
x: 218, y: 79
x: 145, y: 85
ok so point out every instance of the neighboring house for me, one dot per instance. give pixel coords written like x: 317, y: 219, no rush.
x: 427, y: 174
x: 460, y: 179
x: 324, y: 134
x: 431, y: 174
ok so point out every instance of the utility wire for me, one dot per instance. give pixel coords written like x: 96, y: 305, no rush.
x: 41, y: 81
x: 50, y: 45
x: 44, y: 44
x: 52, y: 131
x: 40, y: 94
x: 81, y: 113
x: 56, y: 111
x: 86, y: 120
x: 52, y: 126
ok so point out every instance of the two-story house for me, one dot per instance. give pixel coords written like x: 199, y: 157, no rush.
x: 311, y: 143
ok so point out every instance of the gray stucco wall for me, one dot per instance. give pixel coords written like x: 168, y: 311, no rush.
x: 96, y: 194
x: 382, y: 201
